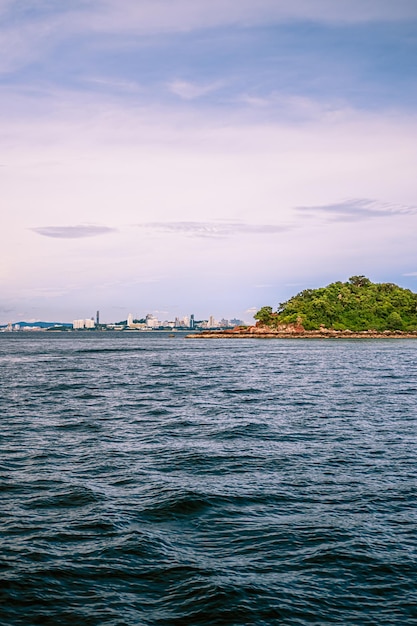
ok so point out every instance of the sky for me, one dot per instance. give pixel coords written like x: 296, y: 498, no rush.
x: 203, y: 156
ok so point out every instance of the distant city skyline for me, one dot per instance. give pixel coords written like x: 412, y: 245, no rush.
x: 148, y: 322
x: 207, y: 155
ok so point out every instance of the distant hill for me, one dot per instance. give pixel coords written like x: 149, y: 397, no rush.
x: 356, y: 305
x: 39, y: 324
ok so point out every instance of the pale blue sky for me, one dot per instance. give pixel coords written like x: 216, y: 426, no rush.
x: 178, y: 156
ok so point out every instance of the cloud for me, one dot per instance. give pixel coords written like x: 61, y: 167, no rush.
x: 32, y: 32
x: 410, y: 274
x: 189, y: 91
x: 73, y: 232
x: 156, y: 16
x: 28, y: 39
x: 128, y: 86
x: 356, y: 210
x: 295, y: 108
x: 215, y: 229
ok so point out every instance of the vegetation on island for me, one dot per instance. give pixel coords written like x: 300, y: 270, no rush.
x: 356, y: 305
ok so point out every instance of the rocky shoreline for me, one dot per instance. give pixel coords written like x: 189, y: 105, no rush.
x: 298, y: 332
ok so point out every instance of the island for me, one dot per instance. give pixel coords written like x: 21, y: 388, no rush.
x: 357, y: 308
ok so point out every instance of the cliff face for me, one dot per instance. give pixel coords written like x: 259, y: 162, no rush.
x: 296, y: 328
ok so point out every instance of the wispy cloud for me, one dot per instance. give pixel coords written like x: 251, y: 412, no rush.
x: 150, y: 16
x: 215, y: 229
x: 356, y: 210
x: 117, y: 85
x: 43, y: 23
x: 73, y: 232
x: 190, y: 91
x: 410, y: 274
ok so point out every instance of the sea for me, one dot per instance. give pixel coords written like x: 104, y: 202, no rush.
x: 154, y: 480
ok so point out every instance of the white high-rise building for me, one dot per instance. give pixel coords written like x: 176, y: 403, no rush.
x: 79, y: 324
x: 212, y: 322
x: 130, y: 320
x: 152, y: 321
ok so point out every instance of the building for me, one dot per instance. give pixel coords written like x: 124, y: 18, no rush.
x: 81, y: 324
x: 152, y: 321
x: 212, y: 323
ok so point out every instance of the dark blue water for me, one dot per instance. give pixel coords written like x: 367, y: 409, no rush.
x: 157, y: 481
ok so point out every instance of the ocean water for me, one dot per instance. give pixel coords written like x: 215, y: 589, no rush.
x: 147, y: 480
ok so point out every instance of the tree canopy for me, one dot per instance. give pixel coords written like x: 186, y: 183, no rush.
x: 357, y: 304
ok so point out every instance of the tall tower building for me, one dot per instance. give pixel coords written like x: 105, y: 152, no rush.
x: 97, y: 318
x: 192, y: 320
x: 130, y: 320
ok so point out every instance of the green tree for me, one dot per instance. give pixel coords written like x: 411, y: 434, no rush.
x: 359, y: 281
x: 264, y: 315
x: 395, y: 321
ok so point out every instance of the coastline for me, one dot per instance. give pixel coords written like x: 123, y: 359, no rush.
x: 262, y: 332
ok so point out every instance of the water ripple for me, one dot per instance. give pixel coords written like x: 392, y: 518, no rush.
x: 152, y: 482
